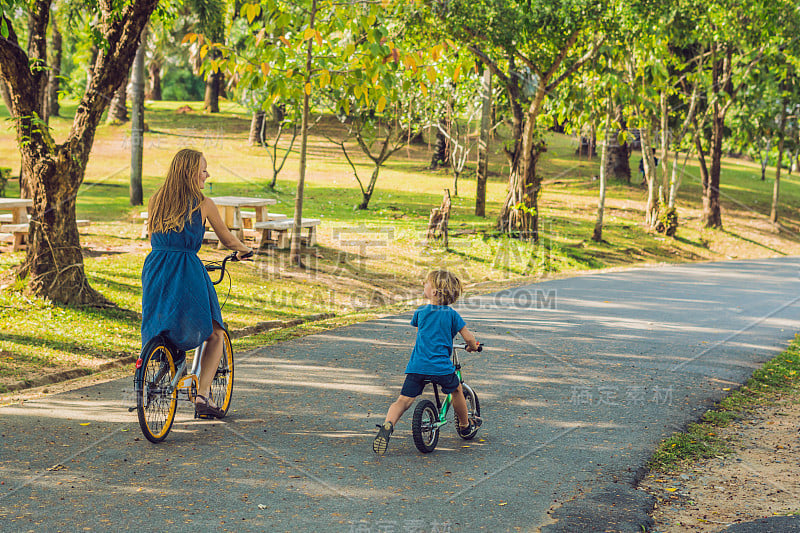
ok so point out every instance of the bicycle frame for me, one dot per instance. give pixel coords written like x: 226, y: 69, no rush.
x: 190, y: 380
x: 444, y: 406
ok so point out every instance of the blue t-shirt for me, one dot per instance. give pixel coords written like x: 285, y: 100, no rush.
x: 436, y: 325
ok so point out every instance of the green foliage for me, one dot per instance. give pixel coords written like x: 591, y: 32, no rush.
x: 5, y: 175
x: 697, y: 442
x: 355, y: 59
x: 179, y: 83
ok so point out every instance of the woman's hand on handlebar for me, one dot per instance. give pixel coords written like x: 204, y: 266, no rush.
x: 477, y: 347
x: 241, y: 256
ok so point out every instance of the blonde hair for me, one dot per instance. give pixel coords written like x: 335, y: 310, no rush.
x: 446, y: 286
x: 179, y: 196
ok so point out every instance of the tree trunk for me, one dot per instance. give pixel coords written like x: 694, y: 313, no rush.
x: 618, y: 161
x: 137, y: 124
x: 441, y: 151
x: 154, y: 81
x: 6, y: 96
x: 483, y: 143
x: 665, y: 110
x: 366, y: 194
x: 519, y: 213
x: 597, y: 235
x: 211, y: 100
x: 294, y: 250
x: 118, y: 111
x: 712, y: 215
x: 651, y: 208
x: 54, y: 263
x: 773, y: 215
x: 439, y: 221
x: 765, y: 160
x: 53, y: 82
x: 721, y: 78
x: 520, y: 210
x: 278, y: 113
x: 256, y: 125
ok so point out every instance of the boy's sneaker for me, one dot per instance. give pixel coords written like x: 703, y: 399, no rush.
x: 474, y: 424
x: 381, y: 442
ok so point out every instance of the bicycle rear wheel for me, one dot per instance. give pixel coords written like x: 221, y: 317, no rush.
x: 423, y: 426
x: 222, y: 386
x: 155, y: 405
x: 473, y: 410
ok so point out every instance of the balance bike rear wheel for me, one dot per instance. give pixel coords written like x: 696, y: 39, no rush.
x: 423, y: 426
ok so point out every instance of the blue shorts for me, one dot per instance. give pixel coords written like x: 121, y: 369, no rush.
x: 415, y: 383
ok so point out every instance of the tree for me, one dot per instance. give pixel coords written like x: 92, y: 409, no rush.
x: 211, y: 23
x: 734, y: 36
x: 530, y: 47
x: 292, y: 53
x: 137, y: 124
x: 378, y: 140
x: 597, y: 234
x: 483, y: 143
x: 54, y: 262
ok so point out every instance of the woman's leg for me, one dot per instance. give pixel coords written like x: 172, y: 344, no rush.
x: 210, y: 360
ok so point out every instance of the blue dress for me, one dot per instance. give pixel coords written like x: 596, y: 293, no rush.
x: 178, y: 298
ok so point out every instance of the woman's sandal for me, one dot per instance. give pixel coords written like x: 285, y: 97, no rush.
x: 205, y: 410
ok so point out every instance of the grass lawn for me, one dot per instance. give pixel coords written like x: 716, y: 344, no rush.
x: 354, y: 281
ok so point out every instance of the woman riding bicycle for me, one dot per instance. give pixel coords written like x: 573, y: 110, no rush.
x: 178, y: 298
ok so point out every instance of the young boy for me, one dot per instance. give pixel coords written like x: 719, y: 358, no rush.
x: 437, y: 324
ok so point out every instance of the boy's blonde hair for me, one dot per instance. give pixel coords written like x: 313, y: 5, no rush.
x: 446, y: 286
x: 169, y: 208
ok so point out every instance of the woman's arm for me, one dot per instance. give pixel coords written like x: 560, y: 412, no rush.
x: 209, y: 211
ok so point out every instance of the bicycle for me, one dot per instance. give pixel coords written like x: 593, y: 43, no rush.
x: 161, y: 378
x: 429, y: 418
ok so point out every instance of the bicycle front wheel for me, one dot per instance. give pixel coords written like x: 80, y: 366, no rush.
x: 155, y: 404
x: 222, y: 386
x: 473, y: 410
x: 424, y: 428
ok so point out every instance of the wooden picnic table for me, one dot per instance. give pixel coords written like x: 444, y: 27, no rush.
x: 18, y: 207
x: 17, y: 231
x: 230, y: 208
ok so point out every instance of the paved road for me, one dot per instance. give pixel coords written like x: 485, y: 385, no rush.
x: 581, y: 379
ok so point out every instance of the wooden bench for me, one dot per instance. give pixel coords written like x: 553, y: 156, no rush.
x: 16, y: 234
x: 143, y: 216
x: 282, y: 229
x: 249, y: 218
x: 7, y: 219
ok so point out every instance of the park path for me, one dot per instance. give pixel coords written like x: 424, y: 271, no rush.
x: 581, y: 378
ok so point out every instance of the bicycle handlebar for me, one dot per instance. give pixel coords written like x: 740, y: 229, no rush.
x: 233, y: 257
x: 463, y: 346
